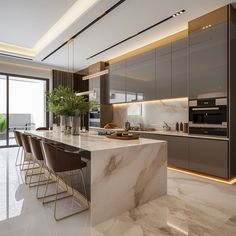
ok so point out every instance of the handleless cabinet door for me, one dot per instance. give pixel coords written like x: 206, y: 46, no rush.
x: 163, y: 71
x: 140, y: 77
x: 180, y: 68
x: 209, y: 157
x: 178, y: 153
x: 117, y: 80
x: 208, y: 62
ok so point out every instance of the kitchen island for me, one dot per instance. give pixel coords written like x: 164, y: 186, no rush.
x: 124, y: 173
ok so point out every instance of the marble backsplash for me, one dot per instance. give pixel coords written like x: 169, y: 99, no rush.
x: 152, y: 114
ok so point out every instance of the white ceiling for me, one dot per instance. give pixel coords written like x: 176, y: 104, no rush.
x: 126, y: 20
x: 24, y: 22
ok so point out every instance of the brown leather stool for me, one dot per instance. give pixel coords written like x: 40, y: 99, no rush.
x: 39, y: 159
x: 20, y: 148
x: 59, y: 161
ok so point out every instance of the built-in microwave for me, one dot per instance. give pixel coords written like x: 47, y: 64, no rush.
x: 208, y: 116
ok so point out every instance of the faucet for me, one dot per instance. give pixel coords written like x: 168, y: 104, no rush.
x: 166, y: 126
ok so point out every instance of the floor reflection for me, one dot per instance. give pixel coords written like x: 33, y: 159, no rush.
x: 193, y: 207
x: 11, y: 199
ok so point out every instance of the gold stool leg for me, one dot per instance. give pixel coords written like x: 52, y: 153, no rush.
x: 50, y: 195
x: 17, y: 157
x: 74, y: 213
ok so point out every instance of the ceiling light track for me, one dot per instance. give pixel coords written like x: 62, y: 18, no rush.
x: 14, y: 56
x: 140, y: 32
x: 86, y: 27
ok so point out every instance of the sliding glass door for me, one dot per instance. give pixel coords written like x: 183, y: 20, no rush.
x: 24, y: 105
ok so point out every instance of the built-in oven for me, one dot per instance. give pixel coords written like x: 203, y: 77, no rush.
x: 94, y: 118
x: 208, y: 116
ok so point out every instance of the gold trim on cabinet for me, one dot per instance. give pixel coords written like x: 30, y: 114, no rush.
x: 210, y: 19
x: 151, y: 46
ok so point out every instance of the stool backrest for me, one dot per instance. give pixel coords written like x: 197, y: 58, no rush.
x: 25, y: 142
x: 42, y: 128
x: 18, y: 138
x: 59, y: 160
x: 36, y: 148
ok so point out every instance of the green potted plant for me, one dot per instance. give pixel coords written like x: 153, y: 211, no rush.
x: 63, y: 102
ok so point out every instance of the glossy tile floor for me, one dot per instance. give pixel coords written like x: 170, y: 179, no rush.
x: 193, y: 206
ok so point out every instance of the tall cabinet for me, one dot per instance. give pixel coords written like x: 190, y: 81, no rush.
x: 208, y: 55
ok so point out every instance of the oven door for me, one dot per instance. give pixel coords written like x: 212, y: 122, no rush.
x: 208, y: 115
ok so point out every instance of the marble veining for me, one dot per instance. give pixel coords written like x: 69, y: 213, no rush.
x: 91, y: 141
x: 134, y: 171
x: 153, y: 113
x: 126, y: 178
x: 193, y: 207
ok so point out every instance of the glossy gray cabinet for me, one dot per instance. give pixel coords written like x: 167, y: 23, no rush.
x: 208, y: 62
x: 179, y: 69
x: 141, y: 76
x: 177, y: 149
x: 117, y: 82
x: 209, y: 157
x: 163, y: 71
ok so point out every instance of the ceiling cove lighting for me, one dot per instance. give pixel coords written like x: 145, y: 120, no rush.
x: 75, y: 11
x: 13, y: 50
x: 140, y: 32
x: 97, y: 74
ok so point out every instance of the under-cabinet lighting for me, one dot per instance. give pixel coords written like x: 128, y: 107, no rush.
x: 154, y: 101
x: 97, y: 74
x: 86, y: 93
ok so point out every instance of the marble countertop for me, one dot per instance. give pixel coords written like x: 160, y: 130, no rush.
x: 173, y: 133
x: 91, y: 141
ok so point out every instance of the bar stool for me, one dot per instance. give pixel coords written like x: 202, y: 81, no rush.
x: 27, y: 157
x: 39, y: 159
x: 20, y: 148
x: 59, y: 161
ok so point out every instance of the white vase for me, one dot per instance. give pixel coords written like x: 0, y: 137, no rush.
x: 62, y: 123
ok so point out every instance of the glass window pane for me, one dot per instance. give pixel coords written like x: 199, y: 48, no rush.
x: 3, y: 84
x: 26, y: 104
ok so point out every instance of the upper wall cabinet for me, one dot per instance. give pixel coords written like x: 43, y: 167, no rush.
x: 117, y: 81
x: 140, y: 77
x: 163, y: 71
x: 180, y: 68
x: 208, y: 55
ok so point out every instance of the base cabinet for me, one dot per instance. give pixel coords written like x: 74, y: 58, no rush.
x: 209, y: 157
x: 196, y: 154
x: 177, y: 149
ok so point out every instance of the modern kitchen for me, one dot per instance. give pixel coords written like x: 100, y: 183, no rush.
x: 135, y: 139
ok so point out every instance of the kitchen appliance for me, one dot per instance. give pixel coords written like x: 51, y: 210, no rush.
x: 208, y: 116
x: 95, y: 118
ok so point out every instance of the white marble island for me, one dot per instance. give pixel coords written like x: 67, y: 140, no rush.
x: 124, y: 174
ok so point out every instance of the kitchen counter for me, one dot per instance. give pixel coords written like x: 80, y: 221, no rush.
x: 123, y: 173
x: 172, y: 133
